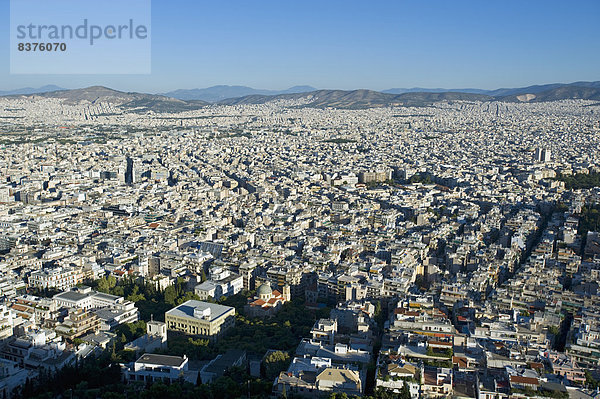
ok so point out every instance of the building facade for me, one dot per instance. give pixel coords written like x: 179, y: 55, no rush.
x: 204, y: 319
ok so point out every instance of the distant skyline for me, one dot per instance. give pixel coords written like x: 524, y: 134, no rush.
x: 353, y: 44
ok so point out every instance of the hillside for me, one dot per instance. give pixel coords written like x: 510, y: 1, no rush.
x: 559, y: 93
x: 349, y: 99
x: 134, y: 102
x: 222, y: 92
x: 358, y: 98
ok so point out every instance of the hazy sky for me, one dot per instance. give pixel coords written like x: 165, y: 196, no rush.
x: 354, y: 44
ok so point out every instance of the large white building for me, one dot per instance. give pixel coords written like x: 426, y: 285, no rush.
x: 221, y: 283
x: 111, y: 309
x: 200, y: 318
x: 151, y: 368
x: 61, y: 278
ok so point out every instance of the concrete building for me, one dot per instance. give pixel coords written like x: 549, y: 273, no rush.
x: 78, y: 323
x: 61, y: 278
x: 155, y: 338
x: 267, y: 302
x: 151, y: 368
x: 204, y: 319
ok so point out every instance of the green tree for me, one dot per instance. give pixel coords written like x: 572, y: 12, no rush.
x: 590, y: 381
x: 405, y: 392
x: 136, y: 295
x: 171, y: 295
x: 226, y: 388
x: 383, y: 393
x: 106, y: 283
x: 276, y: 362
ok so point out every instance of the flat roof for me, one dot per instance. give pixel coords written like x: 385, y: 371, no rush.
x: 207, y: 285
x: 71, y: 296
x: 105, y: 296
x: 161, y: 360
x: 108, y: 314
x: 186, y: 309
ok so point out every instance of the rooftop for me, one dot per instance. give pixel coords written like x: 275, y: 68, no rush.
x: 161, y: 360
x: 186, y: 309
x: 71, y: 296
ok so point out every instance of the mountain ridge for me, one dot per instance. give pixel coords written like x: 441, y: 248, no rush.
x: 221, y: 92
x: 131, y: 101
x: 361, y: 98
x: 30, y: 90
x: 350, y: 99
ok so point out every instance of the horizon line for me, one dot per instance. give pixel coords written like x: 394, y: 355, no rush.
x: 441, y: 89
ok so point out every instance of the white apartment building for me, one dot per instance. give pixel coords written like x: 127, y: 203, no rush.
x: 62, y: 278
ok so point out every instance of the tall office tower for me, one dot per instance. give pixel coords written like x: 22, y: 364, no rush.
x: 138, y: 171
x: 122, y: 172
x: 129, y: 177
x: 542, y: 155
x: 546, y: 155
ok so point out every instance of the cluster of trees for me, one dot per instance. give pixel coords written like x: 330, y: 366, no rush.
x: 43, y: 292
x: 180, y: 344
x: 283, y: 332
x: 590, y: 381
x: 380, y: 315
x: 424, y: 178
x: 580, y: 181
x: 149, y: 300
x: 531, y: 393
x: 97, y: 378
x: 554, y: 330
x: 447, y: 353
x: 590, y: 219
x: 389, y: 182
x: 276, y: 362
x: 380, y: 393
x: 438, y: 363
x: 92, y: 375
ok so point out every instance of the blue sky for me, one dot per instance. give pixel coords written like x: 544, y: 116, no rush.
x: 354, y: 44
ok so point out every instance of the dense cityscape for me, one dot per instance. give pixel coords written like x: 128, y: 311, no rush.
x: 283, y: 250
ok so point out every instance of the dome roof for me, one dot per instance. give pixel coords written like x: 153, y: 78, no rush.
x: 264, y: 289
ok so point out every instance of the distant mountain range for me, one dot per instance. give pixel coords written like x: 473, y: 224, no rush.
x: 439, y: 90
x: 420, y: 97
x: 497, y: 92
x: 358, y: 98
x: 217, y: 93
x: 30, y: 90
x: 133, y: 102
x: 352, y: 99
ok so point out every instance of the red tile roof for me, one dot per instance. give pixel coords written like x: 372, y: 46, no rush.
x: 19, y: 308
x: 517, y: 379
